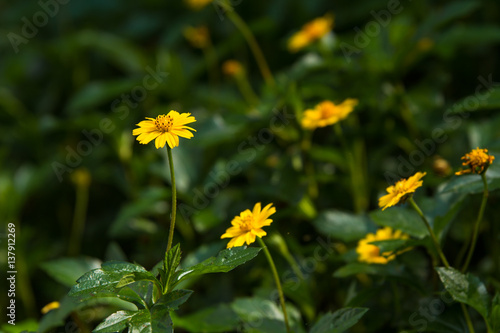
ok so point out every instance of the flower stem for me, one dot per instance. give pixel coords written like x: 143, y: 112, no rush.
x: 174, y: 200
x: 75, y: 239
x: 476, y: 226
x: 252, y: 42
x: 431, y: 232
x: 276, y: 280
x: 467, y: 318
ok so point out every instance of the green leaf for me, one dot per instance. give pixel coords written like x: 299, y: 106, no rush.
x: 220, y: 318
x: 393, y: 245
x: 339, y: 321
x: 489, y: 100
x: 359, y: 267
x: 344, y: 226
x: 116, y: 322
x: 473, y: 183
x: 68, y: 270
x: 225, y: 261
x: 495, y: 313
x: 449, y: 12
x: 102, y: 282
x: 170, y: 264
x: 399, y: 218
x: 172, y: 300
x: 137, y: 276
x: 466, y: 289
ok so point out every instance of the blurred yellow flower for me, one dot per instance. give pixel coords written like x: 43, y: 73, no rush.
x: 50, y: 306
x: 248, y: 225
x: 81, y: 177
x: 425, y: 44
x: 370, y: 253
x: 399, y: 192
x: 197, y: 4
x: 232, y: 68
x: 197, y: 36
x: 477, y: 161
x: 165, y: 129
x: 327, y: 113
x: 310, y: 32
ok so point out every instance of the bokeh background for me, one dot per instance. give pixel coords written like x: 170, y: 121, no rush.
x: 77, y: 185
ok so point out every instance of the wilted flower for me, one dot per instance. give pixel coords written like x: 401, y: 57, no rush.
x: 327, y: 113
x: 248, y: 225
x: 477, y: 161
x: 370, y: 253
x: 399, y: 192
x: 165, y: 129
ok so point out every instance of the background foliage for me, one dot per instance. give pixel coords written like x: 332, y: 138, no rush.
x: 430, y: 68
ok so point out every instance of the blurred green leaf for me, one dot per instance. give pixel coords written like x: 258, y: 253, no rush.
x: 219, y: 318
x: 344, y: 226
x: 495, y: 313
x: 447, y: 13
x: 67, y: 270
x: 173, y: 299
x: 338, y: 321
x: 399, y: 218
x: 467, y: 289
x: 489, y: 99
x: 393, y: 245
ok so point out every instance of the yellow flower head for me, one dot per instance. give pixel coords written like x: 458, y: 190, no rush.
x: 197, y: 4
x: 310, y: 32
x: 399, y: 192
x: 81, y: 177
x: 197, y: 36
x: 165, y: 129
x: 232, y: 68
x: 248, y: 225
x: 49, y: 307
x: 370, y: 253
x: 327, y: 113
x: 477, y: 161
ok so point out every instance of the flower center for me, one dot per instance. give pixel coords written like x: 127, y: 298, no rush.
x: 164, y: 123
x: 246, y: 223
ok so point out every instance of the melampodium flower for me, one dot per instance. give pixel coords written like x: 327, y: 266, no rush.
x: 49, y: 307
x: 402, y: 190
x: 477, y: 161
x: 165, y: 129
x: 248, y: 225
x: 310, y: 32
x: 327, y: 113
x: 197, y: 4
x: 232, y: 68
x: 197, y: 36
x: 370, y: 253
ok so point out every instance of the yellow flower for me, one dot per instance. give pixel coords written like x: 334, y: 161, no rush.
x: 50, y: 306
x: 248, y: 225
x: 310, y: 32
x: 399, y: 192
x: 370, y: 253
x: 232, y: 68
x: 327, y: 113
x: 165, y: 129
x: 477, y: 161
x: 197, y: 4
x: 197, y: 36
x: 81, y: 177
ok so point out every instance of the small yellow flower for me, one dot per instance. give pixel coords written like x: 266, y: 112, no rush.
x: 370, y: 253
x: 81, y: 177
x: 197, y: 36
x: 477, y: 161
x: 197, y: 4
x: 165, y: 129
x: 425, y: 44
x: 399, y: 192
x: 248, y: 225
x: 50, y: 306
x: 327, y: 113
x: 232, y: 68
x: 310, y: 32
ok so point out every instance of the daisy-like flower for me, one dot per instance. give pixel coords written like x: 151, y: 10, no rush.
x: 248, y: 225
x: 477, y: 161
x: 197, y: 4
x: 402, y: 190
x: 310, y: 32
x: 327, y: 113
x: 197, y: 36
x: 370, y: 253
x: 165, y: 129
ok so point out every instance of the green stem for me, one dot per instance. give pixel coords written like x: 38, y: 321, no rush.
x: 276, y: 280
x: 355, y: 186
x: 246, y: 89
x: 431, y: 232
x: 75, y: 239
x: 476, y: 225
x: 467, y: 318
x: 174, y: 200
x: 252, y: 42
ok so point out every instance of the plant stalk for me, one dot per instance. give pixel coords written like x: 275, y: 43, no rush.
x: 174, y: 199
